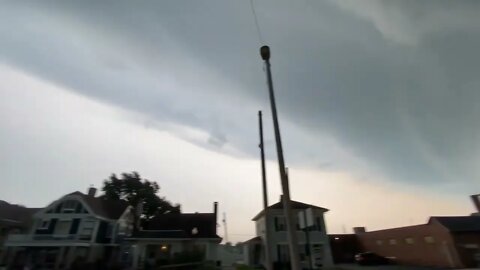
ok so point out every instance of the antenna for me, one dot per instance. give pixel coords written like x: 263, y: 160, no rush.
x: 225, y: 226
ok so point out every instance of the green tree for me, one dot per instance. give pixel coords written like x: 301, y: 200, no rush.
x: 132, y: 188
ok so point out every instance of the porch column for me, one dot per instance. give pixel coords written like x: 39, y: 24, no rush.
x: 138, y: 255
x: 208, y: 255
x: 70, y: 256
x: 211, y: 251
x: 11, y: 256
x: 59, y: 257
x: 5, y: 255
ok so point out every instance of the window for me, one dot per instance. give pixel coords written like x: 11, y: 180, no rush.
x: 283, y: 253
x: 379, y: 242
x: 409, y: 241
x: 79, y: 208
x: 69, y: 207
x: 43, y: 224
x: 280, y: 224
x: 87, y: 230
x: 318, y: 223
x: 108, y: 233
x: 63, y: 227
x: 302, y: 252
x: 392, y: 242
x: 58, y: 208
x: 429, y: 239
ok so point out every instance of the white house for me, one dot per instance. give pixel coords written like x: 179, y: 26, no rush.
x: 75, y: 226
x: 254, y: 251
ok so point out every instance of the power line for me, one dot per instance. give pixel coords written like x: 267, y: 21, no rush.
x: 257, y: 26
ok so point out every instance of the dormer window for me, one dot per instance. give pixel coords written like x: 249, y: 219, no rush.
x: 43, y: 224
x: 69, y: 207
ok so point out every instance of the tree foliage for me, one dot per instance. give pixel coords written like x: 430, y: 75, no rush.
x: 132, y: 188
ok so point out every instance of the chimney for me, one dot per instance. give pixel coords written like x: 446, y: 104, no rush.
x: 215, y: 211
x: 476, y: 201
x: 91, y: 191
x: 359, y: 230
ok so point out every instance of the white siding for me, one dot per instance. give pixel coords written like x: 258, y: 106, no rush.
x: 280, y: 237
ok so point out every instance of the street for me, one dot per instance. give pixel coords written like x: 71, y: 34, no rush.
x: 381, y: 267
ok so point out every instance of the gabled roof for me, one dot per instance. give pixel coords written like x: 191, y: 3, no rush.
x: 110, y: 209
x: 293, y: 205
x: 177, y: 225
x: 459, y: 223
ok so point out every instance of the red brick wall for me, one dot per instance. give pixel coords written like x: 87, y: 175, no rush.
x: 419, y: 252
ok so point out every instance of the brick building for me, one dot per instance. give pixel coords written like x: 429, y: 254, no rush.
x: 442, y: 242
x: 448, y: 242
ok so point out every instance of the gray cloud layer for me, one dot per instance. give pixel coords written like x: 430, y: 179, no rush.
x: 395, y: 83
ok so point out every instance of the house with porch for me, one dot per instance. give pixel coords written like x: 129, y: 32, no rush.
x: 75, y: 226
x: 316, y: 244
x: 176, y: 238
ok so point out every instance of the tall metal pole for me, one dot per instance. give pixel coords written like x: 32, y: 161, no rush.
x: 291, y: 228
x: 225, y: 226
x: 268, y: 261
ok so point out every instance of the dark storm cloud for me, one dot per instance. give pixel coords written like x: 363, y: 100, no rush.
x: 395, y: 83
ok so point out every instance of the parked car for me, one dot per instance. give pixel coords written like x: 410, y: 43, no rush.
x: 370, y: 258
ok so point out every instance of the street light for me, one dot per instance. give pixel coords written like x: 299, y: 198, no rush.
x: 291, y: 228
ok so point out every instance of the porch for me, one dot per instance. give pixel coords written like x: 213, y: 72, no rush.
x: 152, y: 253
x: 55, y: 257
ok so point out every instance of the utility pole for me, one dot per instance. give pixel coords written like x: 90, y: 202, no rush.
x: 291, y: 228
x: 225, y: 227
x: 268, y: 261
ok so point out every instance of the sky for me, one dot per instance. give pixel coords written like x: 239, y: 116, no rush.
x: 377, y: 101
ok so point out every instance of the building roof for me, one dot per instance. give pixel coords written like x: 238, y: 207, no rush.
x: 459, y: 223
x: 111, y: 209
x: 177, y: 225
x: 253, y: 239
x: 293, y: 204
x: 15, y: 215
x: 409, y: 227
x: 451, y: 223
